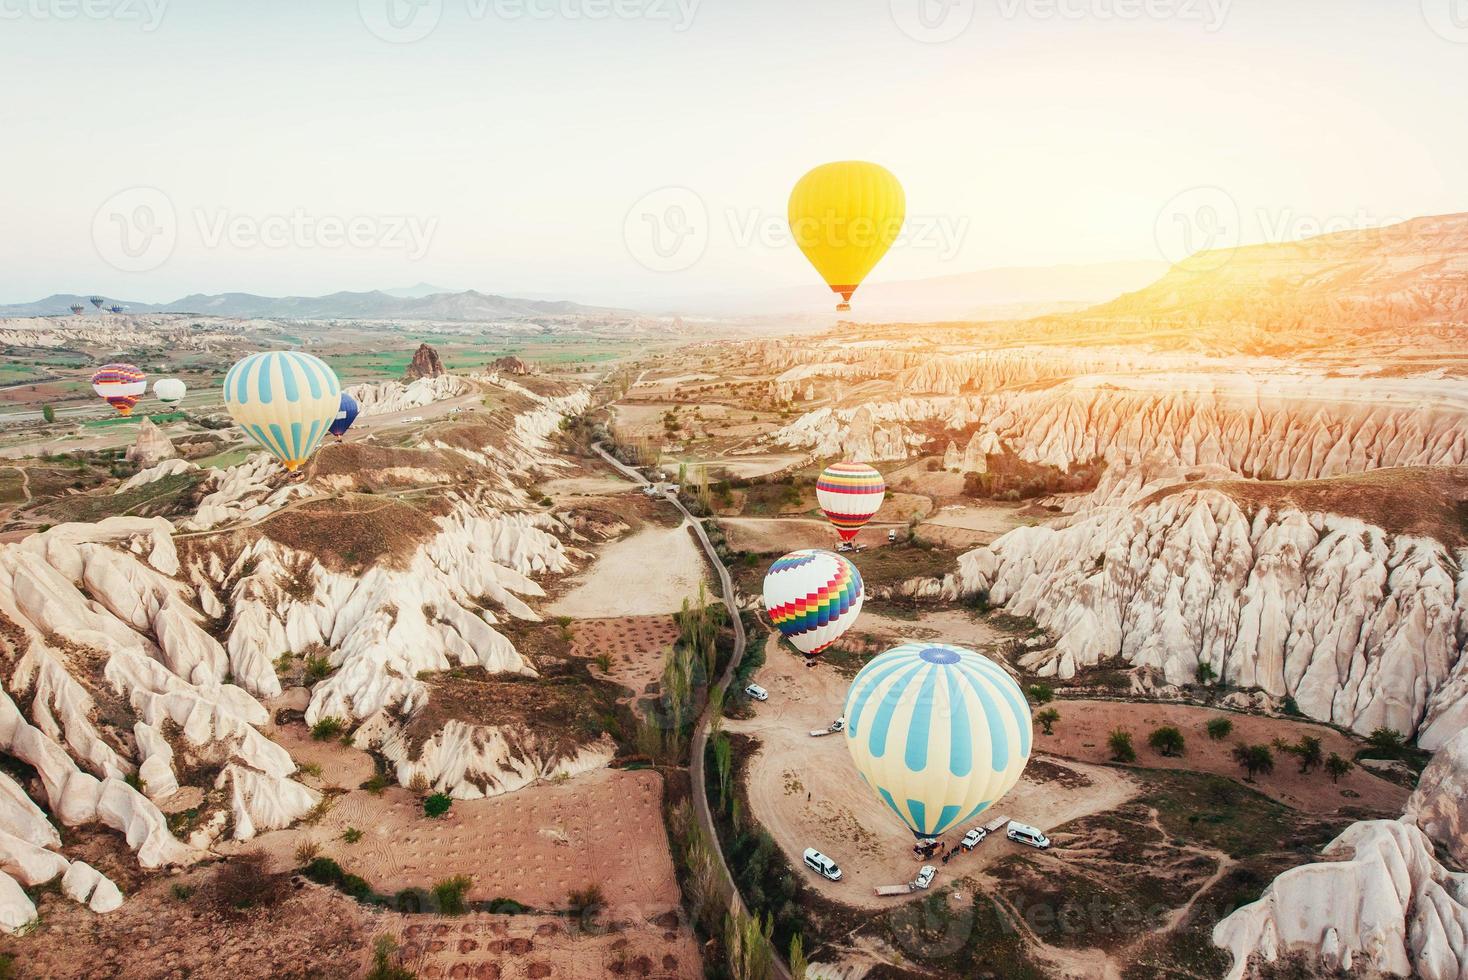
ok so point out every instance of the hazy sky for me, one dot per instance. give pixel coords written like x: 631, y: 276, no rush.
x: 533, y: 147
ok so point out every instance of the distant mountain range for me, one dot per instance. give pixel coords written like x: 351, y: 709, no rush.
x: 404, y: 304
x: 982, y: 295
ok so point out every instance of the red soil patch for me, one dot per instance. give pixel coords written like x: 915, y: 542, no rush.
x: 1084, y: 725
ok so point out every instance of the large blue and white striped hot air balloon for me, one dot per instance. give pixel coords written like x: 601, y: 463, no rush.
x: 813, y: 597
x: 285, y: 401
x: 940, y: 733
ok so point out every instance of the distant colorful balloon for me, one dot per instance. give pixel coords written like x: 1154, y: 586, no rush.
x: 938, y: 732
x: 285, y: 400
x: 813, y: 598
x: 345, y: 416
x: 78, y: 309
x: 122, y: 385
x: 170, y: 391
x: 97, y: 301
x: 850, y: 494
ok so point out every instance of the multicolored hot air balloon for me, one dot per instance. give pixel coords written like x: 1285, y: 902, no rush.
x: 97, y: 301
x: 345, y: 416
x: 116, y: 309
x: 122, y: 385
x: 78, y: 309
x: 813, y: 597
x: 845, y: 216
x: 940, y: 733
x: 850, y: 494
x: 285, y: 400
x: 170, y: 391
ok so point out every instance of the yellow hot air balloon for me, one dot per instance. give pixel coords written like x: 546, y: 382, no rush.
x: 845, y: 216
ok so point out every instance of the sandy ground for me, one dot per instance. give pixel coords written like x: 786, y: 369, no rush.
x: 534, y: 846
x: 992, y: 519
x: 1084, y: 726
x: 899, y: 508
x: 637, y: 645
x: 944, y: 624
x: 586, y: 486
x: 805, y: 792
x: 746, y: 467
x: 777, y: 535
x: 649, y: 573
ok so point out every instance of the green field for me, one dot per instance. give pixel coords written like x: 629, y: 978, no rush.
x: 162, y: 418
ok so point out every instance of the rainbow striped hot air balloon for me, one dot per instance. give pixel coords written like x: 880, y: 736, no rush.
x: 850, y: 494
x: 940, y: 733
x: 285, y: 401
x: 122, y: 385
x: 813, y: 597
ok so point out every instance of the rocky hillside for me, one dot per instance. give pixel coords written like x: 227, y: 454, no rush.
x: 1347, y: 595
x: 143, y: 659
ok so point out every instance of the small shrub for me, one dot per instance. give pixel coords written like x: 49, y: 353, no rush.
x: 325, y: 871
x: 383, y: 965
x: 182, y: 892
x: 1120, y: 742
x: 437, y: 805
x: 1387, y: 742
x: 603, y: 662
x: 586, y: 901
x: 1047, y: 720
x: 351, y: 835
x: 1205, y: 674
x: 1220, y: 728
x: 243, y: 883
x: 1167, y: 741
x: 1254, y: 759
x: 317, y: 669
x: 328, y: 728
x: 312, y: 769
x: 1041, y: 693
x: 1336, y: 767
x: 307, y: 851
x: 376, y: 784
x: 136, y: 782
x: 451, y: 894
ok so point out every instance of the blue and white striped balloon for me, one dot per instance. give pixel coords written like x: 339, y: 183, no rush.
x: 285, y: 400
x: 940, y: 733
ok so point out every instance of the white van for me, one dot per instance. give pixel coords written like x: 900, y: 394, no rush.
x: 1022, y: 833
x: 822, y: 865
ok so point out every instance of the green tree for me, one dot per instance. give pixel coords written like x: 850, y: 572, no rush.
x: 1205, y: 674
x: 1336, y: 767
x: 452, y: 894
x: 798, y: 964
x: 1254, y: 759
x: 1388, y: 742
x: 1041, y: 693
x: 1308, y: 751
x: 1220, y: 729
x: 437, y: 805
x: 48, y: 413
x: 1120, y: 741
x: 383, y: 967
x: 1047, y: 720
x: 1168, y: 741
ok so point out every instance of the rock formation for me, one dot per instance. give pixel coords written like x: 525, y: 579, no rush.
x: 425, y: 364
x: 1357, y: 624
x: 384, y: 397
x: 152, y: 446
x: 1439, y: 805
x: 512, y: 366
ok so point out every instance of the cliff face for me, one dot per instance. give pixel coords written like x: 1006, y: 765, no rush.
x: 425, y: 364
x: 1361, y: 626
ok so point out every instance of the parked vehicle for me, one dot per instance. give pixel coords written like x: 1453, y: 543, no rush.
x: 1022, y: 833
x: 892, y: 537
x: 973, y: 838
x: 839, y: 725
x: 757, y: 692
x: 922, y: 881
x: 822, y: 865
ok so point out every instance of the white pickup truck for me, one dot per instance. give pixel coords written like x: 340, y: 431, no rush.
x: 922, y: 881
x: 839, y: 725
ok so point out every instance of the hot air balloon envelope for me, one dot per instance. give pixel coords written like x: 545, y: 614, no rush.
x: 345, y: 416
x: 285, y: 400
x: 122, y: 385
x: 845, y: 216
x: 938, y: 732
x: 170, y: 391
x: 850, y: 494
x: 813, y: 598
